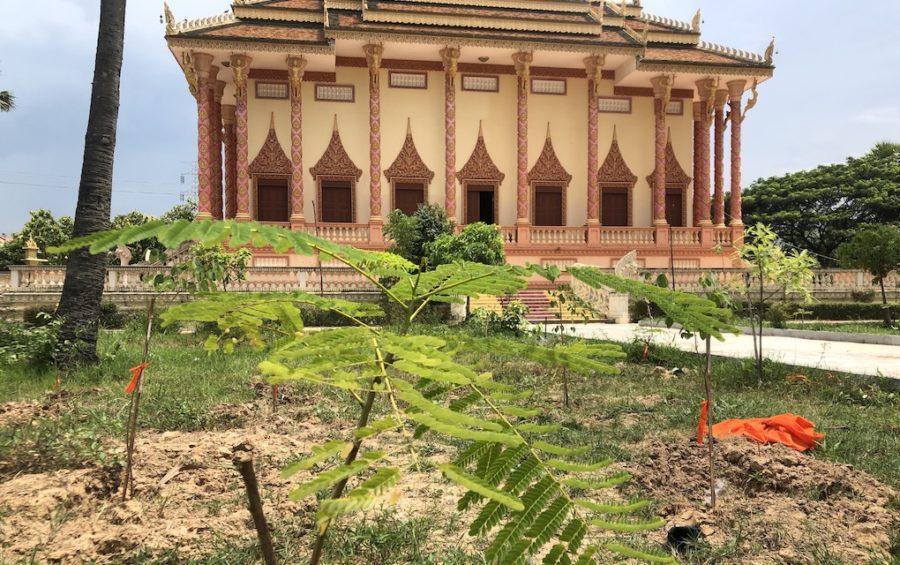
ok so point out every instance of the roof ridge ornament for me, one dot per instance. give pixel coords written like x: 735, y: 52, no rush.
x: 698, y: 19
x: 770, y: 52
x: 170, y: 19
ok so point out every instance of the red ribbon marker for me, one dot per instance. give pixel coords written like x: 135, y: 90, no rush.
x: 136, y: 373
x: 701, y: 424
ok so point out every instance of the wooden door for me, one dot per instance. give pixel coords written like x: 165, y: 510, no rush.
x: 337, y: 202
x: 408, y: 197
x: 674, y: 209
x: 548, y: 206
x: 480, y: 204
x: 272, y: 200
x: 614, y: 207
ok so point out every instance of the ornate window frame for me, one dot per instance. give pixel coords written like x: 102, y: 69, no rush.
x: 615, y: 173
x: 565, y: 86
x: 334, y: 165
x: 496, y: 78
x: 549, y: 171
x: 677, y: 181
x: 258, y: 83
x: 320, y: 98
x: 481, y: 170
x: 392, y: 73
x: 408, y: 167
x: 270, y: 163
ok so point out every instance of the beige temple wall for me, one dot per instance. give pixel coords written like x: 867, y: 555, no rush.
x: 567, y: 116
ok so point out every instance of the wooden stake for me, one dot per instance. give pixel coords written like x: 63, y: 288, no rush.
x: 243, y: 459
x: 707, y: 377
x: 131, y: 431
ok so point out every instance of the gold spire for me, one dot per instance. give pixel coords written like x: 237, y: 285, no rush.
x: 695, y: 23
x: 335, y: 127
x: 615, y: 134
x: 408, y: 126
x: 770, y: 51
x: 548, y: 130
x: 480, y: 129
x: 272, y: 121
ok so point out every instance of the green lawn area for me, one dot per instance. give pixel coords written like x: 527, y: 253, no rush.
x: 846, y: 327
x: 82, y: 424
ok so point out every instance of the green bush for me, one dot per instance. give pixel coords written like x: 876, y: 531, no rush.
x: 110, y: 317
x: 512, y: 320
x: 862, y: 295
x: 478, y: 243
x: 38, y: 315
x: 838, y: 310
x: 26, y: 344
x: 778, y: 313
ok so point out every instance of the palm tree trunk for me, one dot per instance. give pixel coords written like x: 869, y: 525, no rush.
x: 79, y: 305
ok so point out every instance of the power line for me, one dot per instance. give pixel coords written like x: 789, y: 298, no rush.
x: 71, y: 188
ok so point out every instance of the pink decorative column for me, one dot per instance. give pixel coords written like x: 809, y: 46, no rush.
x: 215, y: 146
x: 736, y: 91
x: 230, y: 161
x: 522, y: 61
x: 240, y: 66
x: 202, y: 64
x: 698, y: 127
x: 296, y: 68
x: 450, y: 56
x: 594, y: 68
x: 662, y: 90
x: 719, y: 189
x: 706, y: 89
x: 373, y: 58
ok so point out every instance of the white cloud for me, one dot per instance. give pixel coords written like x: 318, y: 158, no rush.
x: 882, y: 116
x: 55, y: 21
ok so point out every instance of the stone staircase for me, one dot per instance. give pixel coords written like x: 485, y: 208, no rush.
x: 538, y: 302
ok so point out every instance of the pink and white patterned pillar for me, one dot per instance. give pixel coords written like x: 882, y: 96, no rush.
x: 698, y: 127
x: 719, y: 188
x: 240, y: 66
x: 450, y: 56
x: 215, y: 146
x: 522, y: 61
x: 230, y: 143
x: 594, y: 68
x: 706, y: 90
x: 202, y: 64
x: 296, y: 67
x: 373, y: 58
x: 736, y: 91
x: 662, y: 90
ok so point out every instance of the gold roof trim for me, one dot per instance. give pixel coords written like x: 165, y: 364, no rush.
x: 279, y: 15
x: 203, y: 23
x: 506, y: 24
x: 705, y: 69
x: 536, y: 5
x: 344, y: 5
x: 249, y: 45
x: 732, y: 52
x: 688, y: 38
x: 421, y: 38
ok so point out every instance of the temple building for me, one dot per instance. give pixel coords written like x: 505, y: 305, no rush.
x: 583, y: 129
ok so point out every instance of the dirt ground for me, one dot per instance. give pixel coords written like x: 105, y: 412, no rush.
x: 785, y: 505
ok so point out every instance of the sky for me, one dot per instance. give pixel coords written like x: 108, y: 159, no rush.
x: 834, y: 95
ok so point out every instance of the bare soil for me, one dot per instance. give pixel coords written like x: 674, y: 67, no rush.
x: 188, y: 496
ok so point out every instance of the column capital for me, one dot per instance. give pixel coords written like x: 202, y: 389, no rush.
x: 522, y: 61
x: 202, y: 63
x: 721, y: 98
x: 373, y: 53
x: 593, y: 66
x: 296, y: 69
x: 228, y: 113
x: 736, y: 88
x: 698, y: 111
x: 450, y: 58
x: 240, y: 68
x: 706, y: 88
x: 662, y: 86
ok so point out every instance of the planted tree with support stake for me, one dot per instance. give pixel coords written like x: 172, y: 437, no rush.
x: 527, y: 495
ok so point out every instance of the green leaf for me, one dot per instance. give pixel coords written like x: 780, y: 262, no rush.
x: 628, y: 527
x: 476, y: 484
x: 612, y: 508
x: 568, y: 467
x: 465, y: 433
x: 612, y: 481
x: 332, y: 476
x: 377, y: 427
x: 547, y: 524
x: 320, y: 453
x: 557, y: 450
x: 635, y: 554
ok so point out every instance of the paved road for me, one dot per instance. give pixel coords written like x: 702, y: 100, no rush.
x: 857, y: 358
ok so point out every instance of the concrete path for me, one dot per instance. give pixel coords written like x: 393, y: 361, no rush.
x: 856, y: 358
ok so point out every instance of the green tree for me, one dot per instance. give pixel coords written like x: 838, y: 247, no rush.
x: 772, y: 272
x: 478, y: 243
x: 45, y: 230
x: 877, y: 250
x: 79, y: 305
x: 7, y: 101
x: 411, y: 234
x: 819, y: 209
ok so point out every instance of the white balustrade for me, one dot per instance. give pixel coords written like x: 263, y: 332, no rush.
x: 683, y: 237
x: 627, y: 236
x: 722, y: 237
x: 508, y: 235
x: 342, y: 233
x: 543, y: 235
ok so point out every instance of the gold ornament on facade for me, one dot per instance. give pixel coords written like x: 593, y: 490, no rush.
x: 753, y: 100
x: 770, y: 52
x: 594, y: 67
x: 170, y: 19
x: 662, y: 89
x: 239, y: 64
x: 522, y: 61
x: 187, y: 67
x: 373, y: 59
x: 450, y: 59
x: 695, y: 23
x: 296, y: 69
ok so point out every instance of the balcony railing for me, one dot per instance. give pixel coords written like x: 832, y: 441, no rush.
x: 544, y: 235
x: 627, y: 236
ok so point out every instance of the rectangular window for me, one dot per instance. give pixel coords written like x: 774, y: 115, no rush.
x: 614, y: 206
x: 481, y: 83
x: 675, y: 108
x: 480, y: 204
x: 276, y: 90
x: 272, y: 200
x: 406, y: 79
x: 408, y: 196
x: 548, y: 86
x: 548, y: 205
x: 614, y: 105
x: 337, y: 202
x: 335, y: 92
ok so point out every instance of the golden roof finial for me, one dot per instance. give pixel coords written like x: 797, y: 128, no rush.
x: 615, y: 134
x: 695, y: 23
x: 770, y: 51
x: 548, y: 130
x: 170, y: 19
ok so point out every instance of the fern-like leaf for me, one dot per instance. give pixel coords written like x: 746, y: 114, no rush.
x: 628, y: 527
x: 612, y: 508
x: 632, y: 553
x: 320, y: 454
x: 476, y: 484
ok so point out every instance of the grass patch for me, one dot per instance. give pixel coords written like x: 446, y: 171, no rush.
x: 849, y: 327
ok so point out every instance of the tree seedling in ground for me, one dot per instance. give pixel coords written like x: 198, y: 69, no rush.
x: 135, y: 388
x: 526, y: 495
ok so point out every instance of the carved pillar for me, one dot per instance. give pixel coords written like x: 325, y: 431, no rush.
x: 215, y: 145
x: 662, y: 90
x: 450, y: 56
x: 296, y: 67
x: 373, y: 58
x: 240, y: 66
x: 736, y: 91
x: 202, y: 65
x: 698, y: 127
x: 522, y: 61
x: 719, y: 189
x: 230, y: 161
x: 706, y: 89
x: 594, y: 68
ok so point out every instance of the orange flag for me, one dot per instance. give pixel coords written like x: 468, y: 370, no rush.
x: 791, y: 430
x: 136, y: 373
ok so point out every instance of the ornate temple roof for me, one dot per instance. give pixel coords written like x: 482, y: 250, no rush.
x: 620, y: 27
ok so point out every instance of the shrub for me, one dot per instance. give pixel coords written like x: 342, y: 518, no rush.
x: 862, y: 295
x: 110, y: 317
x: 478, y: 243
x: 848, y: 310
x: 29, y: 344
x: 38, y: 315
x: 511, y: 320
x: 778, y: 313
x: 411, y: 234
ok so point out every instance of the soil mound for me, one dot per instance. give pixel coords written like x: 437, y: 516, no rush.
x: 775, y: 505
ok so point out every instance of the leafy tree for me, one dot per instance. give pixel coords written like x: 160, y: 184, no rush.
x: 772, y: 272
x: 877, y: 250
x: 79, y: 305
x: 821, y: 208
x: 7, y: 101
x: 46, y: 231
x: 411, y: 234
x: 478, y: 243
x: 529, y: 495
